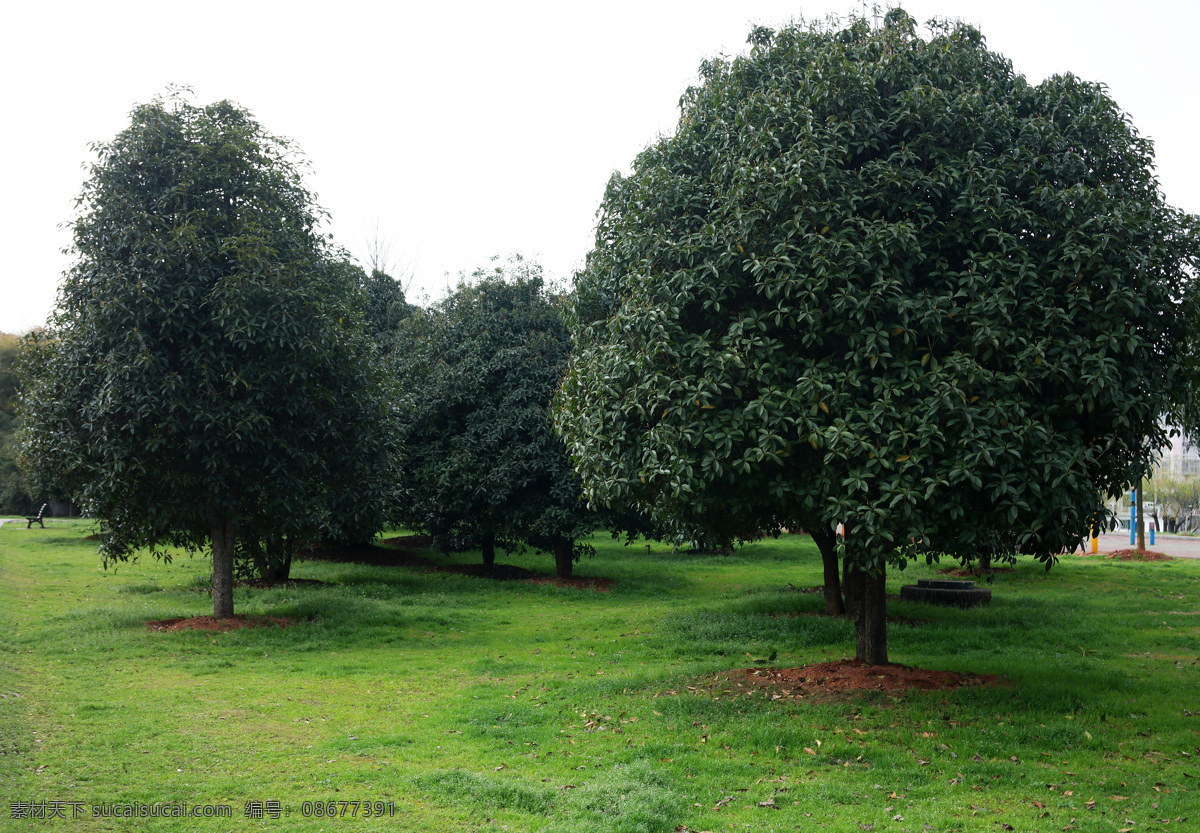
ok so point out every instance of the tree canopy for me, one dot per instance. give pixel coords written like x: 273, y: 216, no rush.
x: 882, y: 280
x: 482, y: 464
x: 206, y: 378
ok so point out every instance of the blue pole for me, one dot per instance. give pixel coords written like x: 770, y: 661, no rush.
x: 1132, y: 516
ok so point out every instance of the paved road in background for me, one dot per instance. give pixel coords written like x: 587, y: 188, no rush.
x: 1180, y: 546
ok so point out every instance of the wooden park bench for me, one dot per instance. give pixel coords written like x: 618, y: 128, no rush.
x: 37, y: 519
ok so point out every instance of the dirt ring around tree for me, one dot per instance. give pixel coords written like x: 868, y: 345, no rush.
x: 844, y: 679
x: 1138, y: 555
x: 212, y: 623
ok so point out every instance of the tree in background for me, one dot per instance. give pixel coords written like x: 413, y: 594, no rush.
x: 206, y: 379
x: 14, y: 491
x: 386, y: 306
x: 880, y: 280
x: 482, y: 465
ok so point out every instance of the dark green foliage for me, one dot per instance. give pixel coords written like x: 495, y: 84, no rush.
x: 880, y: 280
x: 386, y: 306
x: 206, y: 377
x: 14, y: 493
x: 481, y: 462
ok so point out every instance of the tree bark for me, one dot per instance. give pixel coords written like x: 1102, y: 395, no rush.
x: 279, y: 560
x: 852, y: 580
x: 852, y: 585
x: 488, y: 549
x: 224, y: 544
x: 564, y: 558
x: 826, y: 540
x: 870, y: 622
x: 1141, y: 523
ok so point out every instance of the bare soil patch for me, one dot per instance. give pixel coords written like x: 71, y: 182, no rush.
x: 842, y: 679
x: 211, y: 623
x: 1138, y: 555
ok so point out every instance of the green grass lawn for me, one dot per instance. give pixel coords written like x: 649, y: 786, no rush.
x: 453, y: 703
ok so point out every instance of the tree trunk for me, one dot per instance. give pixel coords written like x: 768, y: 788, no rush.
x: 1141, y: 523
x: 853, y: 580
x: 853, y: 586
x: 489, y: 549
x: 279, y: 560
x: 224, y: 543
x: 985, y: 562
x: 870, y: 623
x: 564, y: 558
x: 826, y: 541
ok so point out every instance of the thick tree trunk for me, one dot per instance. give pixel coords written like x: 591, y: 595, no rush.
x: 489, y: 549
x: 853, y: 581
x: 224, y: 543
x: 853, y: 586
x: 870, y: 621
x: 826, y: 541
x: 564, y: 558
x: 985, y: 562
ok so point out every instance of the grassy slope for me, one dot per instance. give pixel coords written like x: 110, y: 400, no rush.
x: 473, y: 705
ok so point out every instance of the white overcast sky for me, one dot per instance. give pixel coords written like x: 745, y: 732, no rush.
x: 462, y: 130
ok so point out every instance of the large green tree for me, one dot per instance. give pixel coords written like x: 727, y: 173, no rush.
x: 206, y: 379
x: 883, y: 280
x: 482, y: 465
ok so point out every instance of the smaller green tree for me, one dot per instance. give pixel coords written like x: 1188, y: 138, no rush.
x: 206, y: 380
x: 482, y: 466
x: 386, y: 305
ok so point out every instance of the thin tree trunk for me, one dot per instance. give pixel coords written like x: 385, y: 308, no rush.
x: 224, y: 544
x: 826, y: 540
x: 870, y: 623
x: 279, y: 560
x: 1141, y: 523
x: 564, y: 560
x: 489, y: 549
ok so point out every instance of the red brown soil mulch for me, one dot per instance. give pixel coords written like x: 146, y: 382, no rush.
x: 211, y: 623
x: 845, y: 678
x: 1138, y: 555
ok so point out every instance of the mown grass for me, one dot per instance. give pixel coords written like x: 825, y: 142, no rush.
x: 479, y: 705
